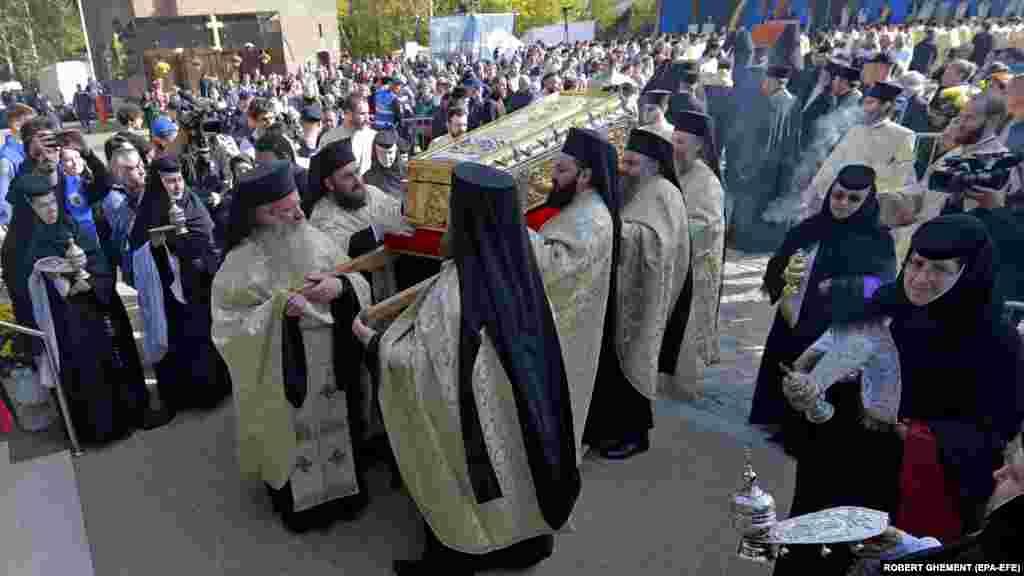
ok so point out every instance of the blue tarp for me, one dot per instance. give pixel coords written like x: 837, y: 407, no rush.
x: 676, y: 16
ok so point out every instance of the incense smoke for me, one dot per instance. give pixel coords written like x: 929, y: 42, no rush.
x: 792, y: 207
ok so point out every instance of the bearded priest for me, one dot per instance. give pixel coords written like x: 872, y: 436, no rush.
x: 576, y: 252
x: 282, y: 320
x: 655, y: 288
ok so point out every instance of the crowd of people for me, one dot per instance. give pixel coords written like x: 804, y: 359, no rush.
x: 484, y: 376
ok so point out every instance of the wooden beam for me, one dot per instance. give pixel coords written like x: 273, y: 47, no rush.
x: 368, y: 262
x: 390, y: 308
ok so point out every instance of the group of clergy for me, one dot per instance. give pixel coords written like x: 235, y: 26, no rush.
x: 490, y: 372
x: 486, y: 374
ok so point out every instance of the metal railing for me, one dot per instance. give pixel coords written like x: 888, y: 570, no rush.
x: 76, y: 448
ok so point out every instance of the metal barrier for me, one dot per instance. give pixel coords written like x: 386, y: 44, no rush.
x: 76, y: 449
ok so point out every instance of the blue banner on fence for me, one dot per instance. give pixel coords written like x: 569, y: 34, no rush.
x: 474, y: 35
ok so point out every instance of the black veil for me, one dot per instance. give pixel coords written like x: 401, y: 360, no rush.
x: 502, y: 293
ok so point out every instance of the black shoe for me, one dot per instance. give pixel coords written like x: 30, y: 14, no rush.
x: 423, y: 568
x: 153, y: 419
x: 626, y: 450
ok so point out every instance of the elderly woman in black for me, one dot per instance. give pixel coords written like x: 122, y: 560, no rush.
x: 960, y: 360
x: 959, y: 396
x: 851, y: 256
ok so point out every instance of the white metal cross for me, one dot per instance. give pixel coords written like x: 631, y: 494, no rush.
x: 215, y: 27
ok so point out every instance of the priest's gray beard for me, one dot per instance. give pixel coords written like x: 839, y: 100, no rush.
x: 291, y: 250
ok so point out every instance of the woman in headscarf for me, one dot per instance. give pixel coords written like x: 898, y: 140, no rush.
x: 959, y: 402
x: 960, y: 363
x: 94, y: 360
x: 474, y: 392
x: 851, y: 254
x: 174, y: 279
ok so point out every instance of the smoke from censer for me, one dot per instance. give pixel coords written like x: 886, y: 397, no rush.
x: 792, y: 206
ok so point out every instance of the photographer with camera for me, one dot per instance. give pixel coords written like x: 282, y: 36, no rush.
x: 956, y: 188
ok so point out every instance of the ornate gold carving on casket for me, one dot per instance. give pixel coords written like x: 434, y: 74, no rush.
x: 523, y: 143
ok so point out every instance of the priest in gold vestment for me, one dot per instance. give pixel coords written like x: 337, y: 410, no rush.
x: 704, y: 198
x: 880, y: 143
x: 576, y: 252
x: 283, y: 327
x: 652, y: 303
x: 341, y: 204
x: 475, y: 395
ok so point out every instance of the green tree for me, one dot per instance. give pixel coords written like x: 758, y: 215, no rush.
x: 37, y: 33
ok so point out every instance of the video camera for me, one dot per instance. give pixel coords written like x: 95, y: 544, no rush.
x: 961, y: 173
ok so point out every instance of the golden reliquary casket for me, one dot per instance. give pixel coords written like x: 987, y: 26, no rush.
x: 524, y: 143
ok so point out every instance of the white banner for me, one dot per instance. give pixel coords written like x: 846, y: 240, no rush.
x: 555, y: 33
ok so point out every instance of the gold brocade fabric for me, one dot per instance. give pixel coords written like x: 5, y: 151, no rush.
x: 654, y: 260
x: 419, y: 401
x: 574, y: 254
x: 704, y: 198
x: 248, y: 301
x: 340, y: 224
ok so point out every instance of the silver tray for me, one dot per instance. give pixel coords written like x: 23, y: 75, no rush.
x: 832, y: 526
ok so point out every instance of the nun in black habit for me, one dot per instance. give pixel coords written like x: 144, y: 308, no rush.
x: 840, y: 462
x: 174, y: 281
x: 88, y: 329
x: 855, y: 254
x: 493, y: 257
x: 960, y: 360
x: 960, y: 384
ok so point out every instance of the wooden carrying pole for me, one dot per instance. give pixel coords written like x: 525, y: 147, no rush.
x: 369, y: 262
x: 393, y: 306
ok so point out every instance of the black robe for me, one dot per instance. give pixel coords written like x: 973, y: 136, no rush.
x: 763, y: 148
x: 998, y: 541
x: 346, y: 351
x: 829, y: 473
x: 192, y: 373
x: 520, y: 556
x: 848, y: 251
x: 100, y: 372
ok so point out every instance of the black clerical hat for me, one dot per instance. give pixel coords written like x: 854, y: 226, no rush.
x: 333, y: 156
x: 33, y: 185
x: 884, y: 91
x: 848, y: 72
x: 780, y: 72
x: 266, y: 183
x: 692, y: 122
x: 385, y: 139
x: 856, y: 177
x: 580, y: 142
x: 167, y: 164
x: 656, y: 147
x: 658, y: 97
